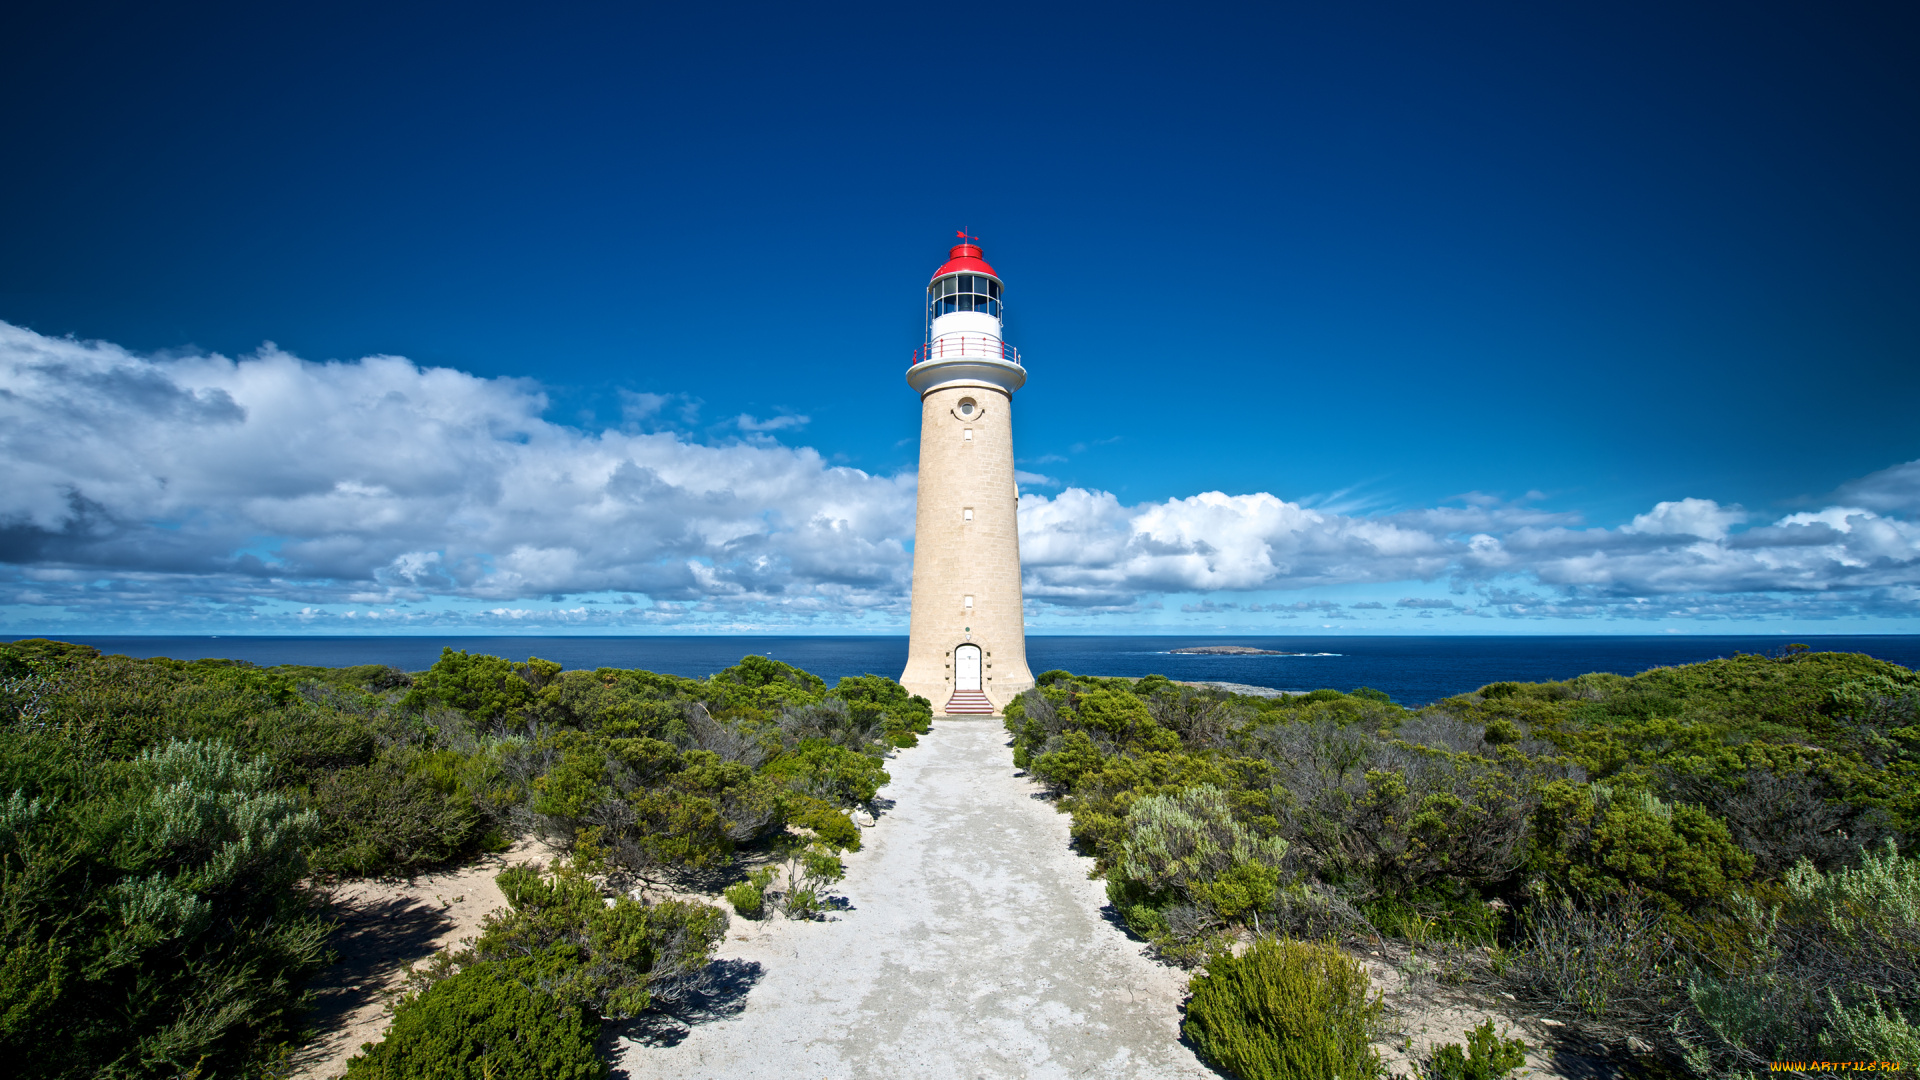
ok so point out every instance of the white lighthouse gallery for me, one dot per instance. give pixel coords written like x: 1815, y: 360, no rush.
x: 967, y: 646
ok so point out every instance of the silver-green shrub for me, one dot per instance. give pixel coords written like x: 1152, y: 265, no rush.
x: 1834, y: 972
x: 1187, y: 867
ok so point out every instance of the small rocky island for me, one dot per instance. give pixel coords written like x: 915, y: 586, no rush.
x: 1228, y: 650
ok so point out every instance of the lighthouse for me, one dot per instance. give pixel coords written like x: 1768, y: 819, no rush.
x: 967, y: 650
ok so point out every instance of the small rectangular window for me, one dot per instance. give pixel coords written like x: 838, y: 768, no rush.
x: 967, y: 435
x: 966, y: 282
x: 968, y: 603
x: 993, y: 289
x: 993, y: 308
x: 946, y: 306
x: 966, y: 514
x: 947, y: 287
x: 966, y: 301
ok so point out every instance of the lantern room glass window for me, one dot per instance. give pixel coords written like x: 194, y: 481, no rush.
x: 963, y: 292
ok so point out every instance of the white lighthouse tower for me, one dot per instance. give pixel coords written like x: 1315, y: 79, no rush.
x: 967, y: 652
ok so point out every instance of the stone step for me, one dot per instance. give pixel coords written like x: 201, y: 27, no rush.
x: 968, y: 703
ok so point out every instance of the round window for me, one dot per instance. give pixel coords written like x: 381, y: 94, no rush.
x: 967, y: 406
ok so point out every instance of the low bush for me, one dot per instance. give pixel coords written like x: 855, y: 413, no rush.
x: 623, y: 953
x: 749, y: 897
x: 1833, y: 968
x: 489, y: 689
x: 829, y: 825
x: 149, y: 919
x: 385, y: 818
x: 809, y: 870
x: 487, y: 1022
x: 1613, y: 959
x: 1286, y: 1010
x: 527, y: 998
x: 1485, y: 1057
x: 1187, y: 868
x: 826, y: 771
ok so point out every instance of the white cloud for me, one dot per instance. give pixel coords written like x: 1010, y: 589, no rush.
x: 1703, y: 518
x: 775, y: 423
x: 1083, y: 548
x: 209, y: 489
x: 208, y: 482
x: 1895, y: 490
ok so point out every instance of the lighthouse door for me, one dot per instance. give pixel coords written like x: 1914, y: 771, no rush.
x: 966, y: 668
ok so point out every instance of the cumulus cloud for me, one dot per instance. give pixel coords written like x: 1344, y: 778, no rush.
x: 207, y: 488
x: 1682, y: 558
x: 205, y: 481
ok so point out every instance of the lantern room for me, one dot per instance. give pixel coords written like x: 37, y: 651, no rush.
x: 964, y: 286
x: 964, y: 325
x: 963, y: 292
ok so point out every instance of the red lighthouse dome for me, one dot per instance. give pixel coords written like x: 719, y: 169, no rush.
x: 965, y: 258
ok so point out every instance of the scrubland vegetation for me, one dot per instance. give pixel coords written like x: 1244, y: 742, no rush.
x: 163, y: 825
x: 1707, y: 864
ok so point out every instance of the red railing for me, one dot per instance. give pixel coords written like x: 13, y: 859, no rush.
x: 956, y: 346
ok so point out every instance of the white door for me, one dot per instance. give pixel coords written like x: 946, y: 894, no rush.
x: 966, y: 667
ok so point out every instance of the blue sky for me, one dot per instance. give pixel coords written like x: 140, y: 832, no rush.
x: 1627, y: 290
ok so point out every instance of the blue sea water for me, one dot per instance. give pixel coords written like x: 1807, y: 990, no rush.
x: 1415, y: 670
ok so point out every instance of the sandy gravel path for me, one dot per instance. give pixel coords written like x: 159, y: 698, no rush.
x: 386, y: 926
x: 974, y: 947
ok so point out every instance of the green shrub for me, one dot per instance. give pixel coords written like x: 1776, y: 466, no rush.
x: 484, y: 1023
x: 827, y: 822
x: 904, y: 717
x: 1063, y: 767
x: 389, y: 818
x: 749, y: 897
x: 488, y: 689
x: 809, y: 871
x: 1601, y: 840
x: 622, y: 952
x: 1868, y: 1031
x: 148, y: 913
x: 1486, y: 1057
x: 1187, y: 848
x: 825, y: 771
x: 762, y: 682
x: 1834, y: 970
x: 748, y: 902
x: 1286, y: 1010
x: 1599, y: 959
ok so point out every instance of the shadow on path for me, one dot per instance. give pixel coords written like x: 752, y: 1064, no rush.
x: 373, y: 939
x: 720, y: 993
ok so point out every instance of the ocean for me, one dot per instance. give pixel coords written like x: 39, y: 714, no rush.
x: 1414, y: 670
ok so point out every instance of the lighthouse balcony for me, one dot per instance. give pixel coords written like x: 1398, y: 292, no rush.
x: 966, y: 347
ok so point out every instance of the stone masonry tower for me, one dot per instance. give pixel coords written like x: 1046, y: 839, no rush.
x: 967, y: 652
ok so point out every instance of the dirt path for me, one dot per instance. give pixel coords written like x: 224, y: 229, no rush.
x: 386, y: 927
x: 974, y: 947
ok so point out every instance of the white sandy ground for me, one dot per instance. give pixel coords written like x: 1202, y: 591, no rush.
x: 386, y: 928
